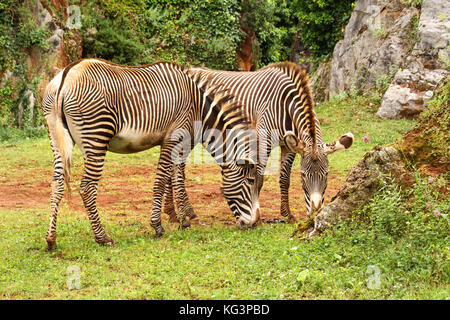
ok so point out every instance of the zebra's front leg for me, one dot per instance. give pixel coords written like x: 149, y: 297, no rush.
x: 182, y: 199
x: 287, y: 159
x: 93, y: 167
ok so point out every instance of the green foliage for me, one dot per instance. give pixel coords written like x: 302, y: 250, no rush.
x: 274, y: 25
x: 413, y: 3
x: 321, y: 23
x: 434, y: 124
x: 413, y: 30
x: 187, y: 32
x: 110, y: 35
x: 6, y: 101
x: 209, y: 32
x: 386, y: 211
x: 11, y: 134
x: 405, y: 234
x: 384, y: 80
x: 19, y: 34
x: 28, y: 34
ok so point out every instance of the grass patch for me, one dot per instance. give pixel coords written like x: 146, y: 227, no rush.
x: 356, y: 113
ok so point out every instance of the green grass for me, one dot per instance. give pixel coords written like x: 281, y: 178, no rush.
x: 217, y: 261
x: 213, y: 262
x: 356, y: 114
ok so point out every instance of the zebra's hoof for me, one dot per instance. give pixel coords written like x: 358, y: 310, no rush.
x: 159, y: 233
x: 185, y: 224
x: 291, y: 219
x: 51, y: 246
x: 190, y: 213
x: 193, y: 216
x: 106, y: 241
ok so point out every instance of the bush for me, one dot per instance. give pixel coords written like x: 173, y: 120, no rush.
x: 435, y: 121
x: 321, y: 23
x: 187, y: 32
x: 19, y: 35
x: 274, y: 25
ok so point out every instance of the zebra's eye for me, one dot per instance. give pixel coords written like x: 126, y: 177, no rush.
x: 251, y: 180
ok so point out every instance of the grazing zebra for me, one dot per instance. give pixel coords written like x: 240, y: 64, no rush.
x: 278, y: 100
x: 101, y: 106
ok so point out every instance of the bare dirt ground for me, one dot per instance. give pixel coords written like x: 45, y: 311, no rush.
x: 127, y: 191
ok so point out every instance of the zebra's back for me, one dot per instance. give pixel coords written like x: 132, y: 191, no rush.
x: 135, y: 106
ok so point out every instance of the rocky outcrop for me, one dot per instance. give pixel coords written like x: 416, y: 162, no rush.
x: 425, y: 67
x: 393, y: 47
x: 362, y: 182
x: 376, y: 42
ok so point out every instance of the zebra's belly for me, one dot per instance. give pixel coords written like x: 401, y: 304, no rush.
x: 133, y: 141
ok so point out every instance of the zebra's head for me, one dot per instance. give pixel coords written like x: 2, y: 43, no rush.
x: 314, y: 166
x: 240, y: 187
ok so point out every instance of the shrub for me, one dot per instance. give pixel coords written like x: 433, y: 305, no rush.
x: 321, y: 23
x: 19, y: 33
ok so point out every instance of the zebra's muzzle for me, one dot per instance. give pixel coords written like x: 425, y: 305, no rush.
x: 316, y: 201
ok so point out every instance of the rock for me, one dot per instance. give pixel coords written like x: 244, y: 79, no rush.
x: 319, y: 81
x: 393, y: 47
x: 361, y: 183
x: 425, y: 67
x: 400, y: 102
x: 375, y: 44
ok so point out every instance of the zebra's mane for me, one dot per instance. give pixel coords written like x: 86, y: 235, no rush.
x: 300, y: 79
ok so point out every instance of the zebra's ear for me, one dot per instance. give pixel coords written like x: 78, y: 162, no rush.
x: 344, y: 142
x: 293, y: 143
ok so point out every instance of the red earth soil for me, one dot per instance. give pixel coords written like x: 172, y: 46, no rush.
x: 127, y: 192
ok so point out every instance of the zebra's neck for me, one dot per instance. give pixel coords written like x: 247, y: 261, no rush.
x: 226, y: 133
x: 302, y: 111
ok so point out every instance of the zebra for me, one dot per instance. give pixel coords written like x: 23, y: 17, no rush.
x: 278, y: 99
x: 101, y: 106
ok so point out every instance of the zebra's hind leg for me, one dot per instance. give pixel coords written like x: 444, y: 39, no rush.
x: 287, y: 159
x: 55, y: 199
x: 93, y: 167
x: 62, y: 146
x: 163, y: 175
x: 182, y: 199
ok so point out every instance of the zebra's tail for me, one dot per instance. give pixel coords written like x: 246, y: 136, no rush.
x: 63, y: 136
